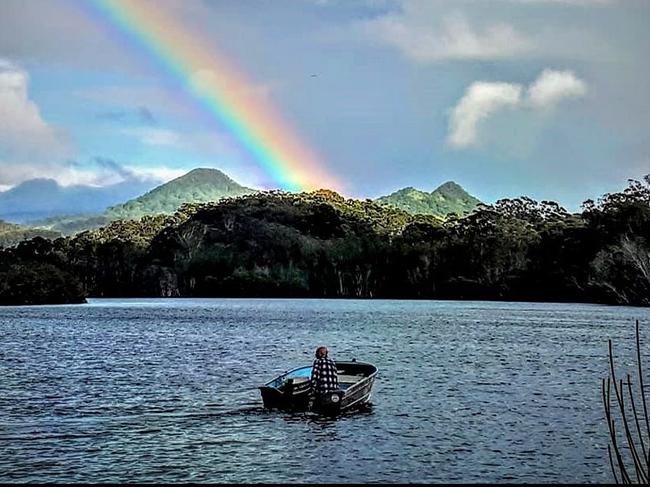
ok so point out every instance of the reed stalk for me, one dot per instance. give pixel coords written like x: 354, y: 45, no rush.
x: 629, y: 441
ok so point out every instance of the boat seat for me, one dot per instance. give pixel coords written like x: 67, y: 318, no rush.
x: 346, y: 379
x: 351, y: 379
x: 300, y: 380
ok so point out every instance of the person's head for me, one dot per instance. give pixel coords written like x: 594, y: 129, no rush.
x: 321, y: 352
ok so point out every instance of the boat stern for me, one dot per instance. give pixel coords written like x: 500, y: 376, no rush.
x: 329, y: 403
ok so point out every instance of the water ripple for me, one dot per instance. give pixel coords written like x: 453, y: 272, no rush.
x: 166, y: 391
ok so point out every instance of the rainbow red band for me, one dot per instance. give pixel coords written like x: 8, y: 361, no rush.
x: 221, y: 90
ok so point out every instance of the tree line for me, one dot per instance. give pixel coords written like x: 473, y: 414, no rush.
x: 318, y: 244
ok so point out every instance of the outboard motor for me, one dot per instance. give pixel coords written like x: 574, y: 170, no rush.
x: 328, y: 403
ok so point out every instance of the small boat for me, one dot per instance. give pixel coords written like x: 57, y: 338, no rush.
x: 290, y: 391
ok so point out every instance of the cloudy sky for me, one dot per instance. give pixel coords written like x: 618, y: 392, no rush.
x: 545, y: 98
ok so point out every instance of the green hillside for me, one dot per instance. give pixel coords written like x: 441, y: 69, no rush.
x: 443, y: 201
x: 211, y: 185
x: 11, y: 234
x: 197, y: 186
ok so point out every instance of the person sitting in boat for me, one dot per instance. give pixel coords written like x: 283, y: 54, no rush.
x: 324, y: 377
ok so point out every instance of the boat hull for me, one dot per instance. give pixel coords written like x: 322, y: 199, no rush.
x: 291, y: 391
x: 275, y: 399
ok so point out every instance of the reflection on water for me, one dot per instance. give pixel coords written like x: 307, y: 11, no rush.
x: 166, y: 391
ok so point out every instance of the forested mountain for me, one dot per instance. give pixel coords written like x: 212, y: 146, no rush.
x: 208, y: 185
x: 322, y: 245
x: 197, y: 186
x: 447, y: 199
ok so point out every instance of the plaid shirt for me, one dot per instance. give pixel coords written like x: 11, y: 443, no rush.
x: 324, y: 377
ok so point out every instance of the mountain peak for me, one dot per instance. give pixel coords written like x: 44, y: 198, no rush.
x: 36, y: 184
x: 199, y: 185
x: 448, y: 198
x: 203, y: 176
x: 454, y: 191
x: 206, y: 171
x: 450, y: 186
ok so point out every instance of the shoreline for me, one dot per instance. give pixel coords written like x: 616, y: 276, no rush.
x: 310, y: 298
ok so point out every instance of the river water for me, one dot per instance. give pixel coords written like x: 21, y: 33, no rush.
x: 165, y: 390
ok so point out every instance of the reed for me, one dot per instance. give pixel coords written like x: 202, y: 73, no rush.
x: 627, y: 422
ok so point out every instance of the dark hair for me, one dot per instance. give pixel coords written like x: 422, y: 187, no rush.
x: 318, y: 352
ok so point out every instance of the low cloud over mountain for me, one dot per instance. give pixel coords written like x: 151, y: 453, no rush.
x: 42, y: 198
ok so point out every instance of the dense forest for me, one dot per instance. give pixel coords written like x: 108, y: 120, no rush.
x: 11, y: 233
x: 321, y: 245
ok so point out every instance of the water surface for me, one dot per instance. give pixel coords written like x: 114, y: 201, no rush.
x: 165, y: 390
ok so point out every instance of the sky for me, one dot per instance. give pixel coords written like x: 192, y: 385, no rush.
x: 543, y: 98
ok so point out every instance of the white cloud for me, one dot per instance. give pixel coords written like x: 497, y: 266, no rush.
x: 553, y: 86
x: 88, y: 174
x: 433, y: 31
x: 154, y: 136
x: 208, y: 142
x: 484, y: 99
x: 29, y: 146
x: 104, y: 172
x: 480, y: 101
x: 22, y: 128
x: 414, y: 32
x: 160, y: 174
x: 66, y: 174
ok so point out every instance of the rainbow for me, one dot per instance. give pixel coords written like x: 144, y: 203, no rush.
x: 221, y: 90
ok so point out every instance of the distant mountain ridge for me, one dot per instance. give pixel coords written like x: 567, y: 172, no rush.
x: 203, y: 185
x: 41, y: 198
x: 448, y: 198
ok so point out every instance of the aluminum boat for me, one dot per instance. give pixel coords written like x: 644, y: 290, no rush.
x: 291, y: 390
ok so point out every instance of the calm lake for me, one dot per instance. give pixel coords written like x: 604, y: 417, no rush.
x: 165, y: 390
